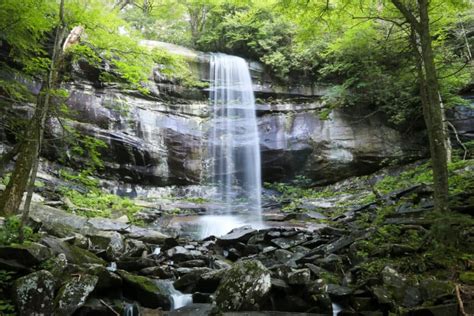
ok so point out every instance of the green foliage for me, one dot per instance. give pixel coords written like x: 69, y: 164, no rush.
x: 164, y: 21
x: 9, y: 232
x: 467, y: 277
x: 460, y: 177
x: 175, y: 68
x: 257, y: 31
x: 97, y: 203
x: 88, y: 150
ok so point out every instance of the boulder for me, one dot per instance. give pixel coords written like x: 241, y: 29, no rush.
x: 193, y: 263
x: 74, y: 293
x: 242, y: 234
x: 180, y: 253
x: 106, y: 279
x: 34, y: 294
x: 299, y: 277
x: 135, y: 264
x: 144, y: 290
x: 432, y: 289
x: 134, y: 248
x: 337, y: 291
x: 399, y: 289
x: 187, y: 283
x: 73, y: 253
x: 245, y: 287
x: 109, y: 241
x: 209, y: 281
x: 28, y: 254
x: 161, y: 272
x: 288, y: 242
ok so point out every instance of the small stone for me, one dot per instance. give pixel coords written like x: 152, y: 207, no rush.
x: 288, y: 242
x: 188, y: 282
x: 283, y: 256
x: 193, y: 263
x: 298, y: 277
x: 280, y: 284
x: 338, y: 291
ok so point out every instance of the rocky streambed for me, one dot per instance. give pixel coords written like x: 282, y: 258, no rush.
x: 355, y: 262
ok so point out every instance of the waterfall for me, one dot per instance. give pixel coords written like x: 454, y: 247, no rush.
x: 233, y: 140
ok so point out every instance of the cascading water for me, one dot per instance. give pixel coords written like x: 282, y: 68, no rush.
x: 233, y: 140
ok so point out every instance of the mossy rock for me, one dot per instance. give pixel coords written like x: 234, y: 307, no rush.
x: 27, y: 254
x: 107, y: 279
x: 431, y: 289
x: 110, y: 242
x: 34, y: 293
x: 73, y: 253
x: 245, y: 287
x: 144, y: 290
x: 467, y: 277
x: 74, y: 293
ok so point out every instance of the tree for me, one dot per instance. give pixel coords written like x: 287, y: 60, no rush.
x: 430, y: 96
x: 413, y: 19
x: 27, y: 33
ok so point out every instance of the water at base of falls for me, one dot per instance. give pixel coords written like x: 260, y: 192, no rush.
x: 177, y: 298
x: 234, y: 147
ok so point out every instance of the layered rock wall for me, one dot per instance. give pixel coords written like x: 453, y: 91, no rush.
x: 161, y: 138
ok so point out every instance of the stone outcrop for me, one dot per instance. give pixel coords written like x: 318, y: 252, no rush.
x: 160, y: 139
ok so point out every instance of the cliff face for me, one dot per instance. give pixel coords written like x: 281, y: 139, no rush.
x: 161, y: 139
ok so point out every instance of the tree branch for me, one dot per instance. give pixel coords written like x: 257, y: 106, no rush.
x: 407, y: 14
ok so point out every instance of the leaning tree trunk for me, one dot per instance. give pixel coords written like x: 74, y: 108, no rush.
x: 11, y: 198
x: 24, y: 173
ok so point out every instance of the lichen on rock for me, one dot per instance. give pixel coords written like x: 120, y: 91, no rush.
x: 34, y: 293
x: 244, y: 287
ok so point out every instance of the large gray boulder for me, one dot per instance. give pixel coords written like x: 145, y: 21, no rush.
x: 74, y: 293
x: 34, y: 294
x: 244, y: 287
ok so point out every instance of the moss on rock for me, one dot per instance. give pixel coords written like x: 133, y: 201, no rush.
x: 144, y: 290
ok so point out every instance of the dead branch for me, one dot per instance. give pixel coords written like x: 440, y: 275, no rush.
x: 460, y: 302
x: 109, y: 307
x: 456, y: 134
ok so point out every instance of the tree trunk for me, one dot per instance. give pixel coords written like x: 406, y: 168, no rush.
x: 429, y: 94
x: 11, y: 198
x: 24, y: 173
x: 436, y: 129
